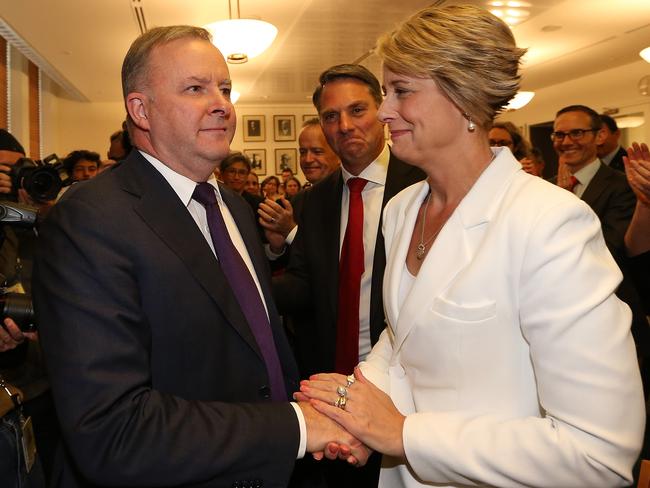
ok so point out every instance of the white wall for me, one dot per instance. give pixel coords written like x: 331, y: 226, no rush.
x: 613, y: 88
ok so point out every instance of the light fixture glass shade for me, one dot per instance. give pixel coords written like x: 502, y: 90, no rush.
x: 234, y: 96
x: 242, y: 39
x: 630, y: 121
x: 645, y: 54
x: 520, y: 100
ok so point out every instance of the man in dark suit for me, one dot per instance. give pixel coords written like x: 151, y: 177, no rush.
x: 163, y: 373
x: 610, y: 151
x: 347, y: 100
x: 577, y: 133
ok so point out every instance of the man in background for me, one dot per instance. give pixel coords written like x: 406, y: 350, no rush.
x: 610, y: 151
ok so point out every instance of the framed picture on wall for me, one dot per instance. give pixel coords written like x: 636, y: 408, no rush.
x: 286, y: 158
x: 305, y: 118
x: 258, y: 160
x: 254, y: 128
x: 284, y: 127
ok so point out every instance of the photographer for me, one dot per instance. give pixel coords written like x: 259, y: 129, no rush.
x: 21, y: 363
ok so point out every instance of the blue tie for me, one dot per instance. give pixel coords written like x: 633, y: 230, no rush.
x: 244, y: 288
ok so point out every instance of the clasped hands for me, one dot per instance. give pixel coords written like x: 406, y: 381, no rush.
x: 366, y: 420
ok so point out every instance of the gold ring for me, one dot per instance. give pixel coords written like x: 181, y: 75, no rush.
x: 340, y: 402
x: 351, y: 379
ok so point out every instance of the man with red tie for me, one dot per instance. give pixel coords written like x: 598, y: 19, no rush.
x: 333, y: 284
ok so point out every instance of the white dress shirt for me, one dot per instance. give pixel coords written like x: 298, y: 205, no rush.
x: 584, y: 177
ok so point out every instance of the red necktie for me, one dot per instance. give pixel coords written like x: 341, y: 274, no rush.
x: 350, y: 270
x: 573, y: 182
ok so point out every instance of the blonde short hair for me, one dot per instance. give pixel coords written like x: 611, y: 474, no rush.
x: 470, y: 53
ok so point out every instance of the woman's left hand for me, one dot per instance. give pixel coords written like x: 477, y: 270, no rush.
x: 368, y: 414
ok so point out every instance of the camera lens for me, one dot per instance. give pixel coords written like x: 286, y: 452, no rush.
x: 18, y: 307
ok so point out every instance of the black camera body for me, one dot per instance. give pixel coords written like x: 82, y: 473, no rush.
x: 17, y: 306
x: 41, y: 179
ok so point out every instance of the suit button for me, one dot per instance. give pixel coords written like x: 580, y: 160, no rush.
x: 265, y: 392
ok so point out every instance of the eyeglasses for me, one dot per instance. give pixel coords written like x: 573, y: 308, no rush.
x: 500, y: 143
x: 240, y: 172
x: 574, y: 134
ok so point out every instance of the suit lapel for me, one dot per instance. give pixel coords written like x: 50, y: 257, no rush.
x: 596, y: 186
x: 331, y: 232
x: 452, y: 250
x: 398, y: 176
x: 161, y: 209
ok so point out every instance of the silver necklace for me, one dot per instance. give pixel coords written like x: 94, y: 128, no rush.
x: 422, y: 246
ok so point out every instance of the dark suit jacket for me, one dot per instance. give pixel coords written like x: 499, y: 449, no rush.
x: 617, y: 160
x: 156, y: 375
x: 612, y: 199
x: 309, y: 287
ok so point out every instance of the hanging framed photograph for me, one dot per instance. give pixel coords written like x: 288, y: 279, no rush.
x: 284, y: 127
x: 254, y: 128
x: 258, y: 160
x: 286, y: 158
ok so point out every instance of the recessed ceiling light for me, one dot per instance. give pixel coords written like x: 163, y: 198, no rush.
x: 551, y: 28
x: 645, y: 54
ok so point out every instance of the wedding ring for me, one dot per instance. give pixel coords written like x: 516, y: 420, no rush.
x: 273, y: 219
x: 340, y: 402
x: 351, y: 379
x: 342, y: 391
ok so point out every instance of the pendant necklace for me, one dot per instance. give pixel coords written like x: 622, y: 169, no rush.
x: 422, y: 246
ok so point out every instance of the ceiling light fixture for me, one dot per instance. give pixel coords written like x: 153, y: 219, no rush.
x: 520, y: 100
x: 241, y: 39
x: 234, y: 96
x: 645, y: 54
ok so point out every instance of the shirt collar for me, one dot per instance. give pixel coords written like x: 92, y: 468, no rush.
x: 375, y: 172
x: 182, y: 185
x: 585, y: 174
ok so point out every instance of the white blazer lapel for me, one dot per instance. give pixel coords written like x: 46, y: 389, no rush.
x: 448, y: 256
x: 397, y: 242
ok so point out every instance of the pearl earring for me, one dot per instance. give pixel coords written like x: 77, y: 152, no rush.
x: 471, y: 126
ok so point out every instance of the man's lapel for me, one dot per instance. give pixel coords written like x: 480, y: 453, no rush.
x: 597, y: 185
x: 162, y: 210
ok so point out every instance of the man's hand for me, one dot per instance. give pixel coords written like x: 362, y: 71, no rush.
x: 5, y: 179
x: 637, y: 167
x: 563, y: 175
x: 11, y: 336
x: 326, y: 437
x: 275, y: 217
x: 529, y: 166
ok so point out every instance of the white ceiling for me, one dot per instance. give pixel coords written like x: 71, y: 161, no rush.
x: 80, y: 44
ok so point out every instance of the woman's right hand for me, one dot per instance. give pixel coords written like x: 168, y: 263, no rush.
x: 369, y: 414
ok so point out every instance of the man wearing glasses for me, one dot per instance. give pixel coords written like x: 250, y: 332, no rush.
x: 577, y: 132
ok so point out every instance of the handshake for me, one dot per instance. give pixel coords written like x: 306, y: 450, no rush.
x: 347, y: 417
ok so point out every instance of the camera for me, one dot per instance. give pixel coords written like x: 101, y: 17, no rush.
x: 18, y: 306
x: 41, y: 179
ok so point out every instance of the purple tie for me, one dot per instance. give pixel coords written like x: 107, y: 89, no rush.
x: 244, y: 288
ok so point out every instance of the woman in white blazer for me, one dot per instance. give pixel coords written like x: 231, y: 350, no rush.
x: 507, y: 359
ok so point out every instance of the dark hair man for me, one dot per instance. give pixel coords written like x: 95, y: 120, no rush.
x: 82, y: 165
x: 167, y: 358
x: 610, y: 151
x: 339, y: 315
